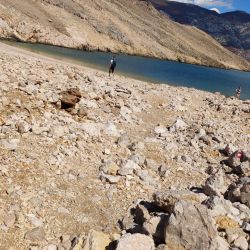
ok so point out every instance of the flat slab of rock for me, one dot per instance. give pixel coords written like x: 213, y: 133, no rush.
x: 167, y: 199
x: 36, y: 234
x: 10, y: 144
x: 135, y: 242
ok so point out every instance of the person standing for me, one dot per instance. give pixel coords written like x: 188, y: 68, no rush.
x: 112, y: 65
x: 238, y: 92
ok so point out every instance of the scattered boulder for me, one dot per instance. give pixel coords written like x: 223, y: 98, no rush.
x: 135, y: 241
x: 167, y: 199
x: 23, y: 127
x: 128, y: 168
x: 220, y: 206
x: 186, y: 219
x: 110, y: 168
x: 69, y: 98
x: 36, y: 234
x: 160, y: 130
x: 243, y: 169
x: 110, y: 178
x: 10, y: 144
x: 221, y: 243
x: 163, y: 171
x: 240, y: 192
x: 234, y: 233
x: 145, y: 176
x: 96, y: 241
x: 179, y: 125
x: 241, y: 243
x: 215, y: 184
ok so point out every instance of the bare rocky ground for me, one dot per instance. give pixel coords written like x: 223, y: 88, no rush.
x: 78, y: 148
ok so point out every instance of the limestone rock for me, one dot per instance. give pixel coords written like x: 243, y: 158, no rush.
x: 163, y: 171
x: 96, y: 241
x: 221, y: 244
x: 23, y: 127
x: 241, y: 243
x: 135, y: 242
x: 51, y: 247
x: 36, y: 234
x: 221, y: 207
x: 240, y: 192
x: 69, y: 98
x: 243, y: 169
x: 160, y: 129
x: 128, y: 168
x: 146, y: 177
x: 234, y: 233
x: 110, y: 168
x: 110, y: 178
x: 186, y: 219
x: 215, y: 184
x: 167, y: 199
x: 179, y: 125
x: 10, y: 144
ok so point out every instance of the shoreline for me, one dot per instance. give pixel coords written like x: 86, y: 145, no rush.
x: 120, y: 74
x: 125, y: 53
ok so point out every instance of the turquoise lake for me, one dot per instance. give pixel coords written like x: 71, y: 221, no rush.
x: 153, y: 70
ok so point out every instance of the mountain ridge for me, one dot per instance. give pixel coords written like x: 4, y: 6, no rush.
x: 231, y: 29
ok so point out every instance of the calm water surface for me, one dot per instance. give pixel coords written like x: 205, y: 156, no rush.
x: 154, y: 70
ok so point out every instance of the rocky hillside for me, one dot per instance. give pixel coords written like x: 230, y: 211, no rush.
x: 89, y: 162
x: 231, y: 29
x: 133, y: 27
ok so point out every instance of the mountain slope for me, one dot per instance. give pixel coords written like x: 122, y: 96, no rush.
x: 133, y: 27
x: 231, y: 29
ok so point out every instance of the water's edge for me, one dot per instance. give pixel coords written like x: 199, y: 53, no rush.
x: 89, y: 49
x: 149, y: 69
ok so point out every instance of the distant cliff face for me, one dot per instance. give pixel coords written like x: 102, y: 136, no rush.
x: 128, y: 26
x: 231, y: 29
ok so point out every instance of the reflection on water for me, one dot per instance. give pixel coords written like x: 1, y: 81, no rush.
x: 154, y: 70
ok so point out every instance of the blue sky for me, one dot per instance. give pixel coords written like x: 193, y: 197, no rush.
x: 221, y: 5
x: 242, y: 5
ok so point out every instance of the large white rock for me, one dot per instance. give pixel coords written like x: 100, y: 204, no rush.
x: 10, y: 144
x: 135, y: 242
x: 160, y: 129
x: 91, y: 128
x: 241, y: 243
x: 180, y: 124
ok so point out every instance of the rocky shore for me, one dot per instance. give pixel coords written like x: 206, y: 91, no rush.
x: 94, y: 162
